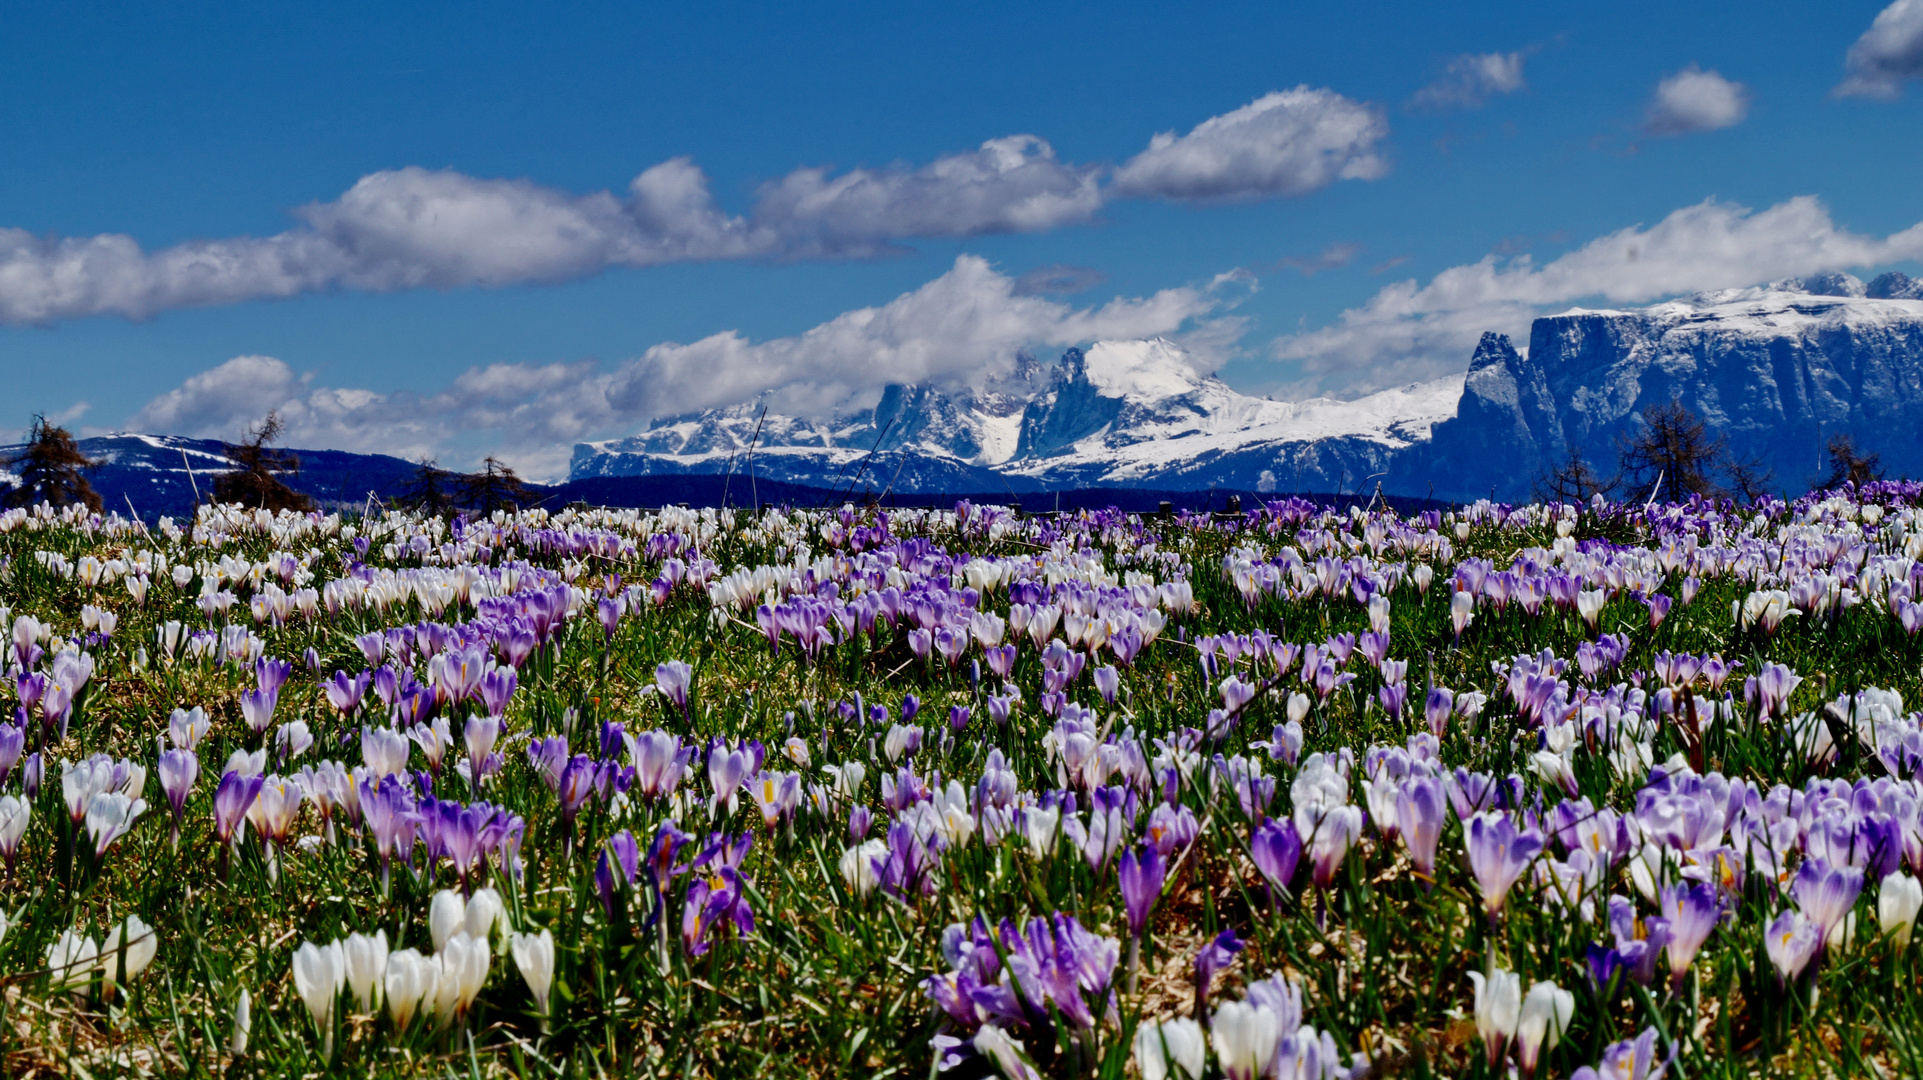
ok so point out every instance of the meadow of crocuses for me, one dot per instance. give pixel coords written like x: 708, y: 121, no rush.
x: 1606, y: 791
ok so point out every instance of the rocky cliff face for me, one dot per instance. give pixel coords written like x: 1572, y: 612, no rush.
x: 1121, y: 413
x: 1775, y: 370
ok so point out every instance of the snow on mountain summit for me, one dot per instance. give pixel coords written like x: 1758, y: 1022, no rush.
x: 1120, y: 412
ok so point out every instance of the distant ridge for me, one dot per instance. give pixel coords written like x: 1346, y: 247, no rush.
x: 1123, y: 414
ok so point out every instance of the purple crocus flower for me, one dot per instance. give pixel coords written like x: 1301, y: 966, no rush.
x: 1420, y: 810
x: 1499, y: 853
x: 1774, y: 684
x: 713, y: 897
x: 1276, y: 849
x: 32, y: 774
x: 549, y: 757
x: 662, y: 851
x: 344, y: 691
x: 1826, y: 894
x: 613, y: 735
x: 1171, y: 828
x: 659, y: 761
x: 1692, y: 912
x: 1602, y: 965
x: 860, y: 820
x: 576, y: 787
x: 727, y: 771
x: 1141, y: 878
x: 1214, y: 957
x: 178, y: 770
x: 232, y: 799
x: 389, y: 812
x: 1792, y: 941
x: 30, y: 685
x: 1441, y: 702
x: 497, y: 688
x: 372, y: 645
x: 1335, y: 831
x: 672, y: 679
x: 257, y: 708
x: 13, y: 741
x: 270, y: 674
x: 615, y: 870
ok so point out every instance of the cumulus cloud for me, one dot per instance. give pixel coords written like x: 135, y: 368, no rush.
x: 1470, y: 80
x: 1289, y: 142
x: 1411, y: 331
x: 1695, y: 100
x: 1008, y: 185
x: 399, y: 229
x: 952, y: 328
x: 1889, y: 52
x: 415, y: 228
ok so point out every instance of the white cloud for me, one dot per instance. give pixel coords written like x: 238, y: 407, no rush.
x: 1008, y: 185
x: 1889, y: 52
x: 1410, y: 331
x: 954, y: 327
x: 1470, y: 80
x: 1289, y: 142
x: 401, y: 229
x: 1695, y: 100
x: 416, y: 228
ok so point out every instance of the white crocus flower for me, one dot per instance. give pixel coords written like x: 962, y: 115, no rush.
x: 320, y: 972
x: 410, y: 982
x: 1245, y: 1038
x: 534, y: 955
x: 1546, y: 1012
x: 366, y: 958
x: 1170, y: 1050
x: 1897, y: 905
x: 446, y: 915
x: 1498, y: 1010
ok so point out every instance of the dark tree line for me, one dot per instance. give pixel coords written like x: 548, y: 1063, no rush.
x: 441, y: 491
x: 1672, y: 454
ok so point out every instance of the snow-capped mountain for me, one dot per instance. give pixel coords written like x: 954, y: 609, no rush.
x: 1121, y: 413
x: 1776, y: 370
x: 167, y: 474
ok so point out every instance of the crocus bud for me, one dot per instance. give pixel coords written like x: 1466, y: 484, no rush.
x: 243, y: 1023
x: 319, y: 974
x: 446, y: 914
x: 534, y: 955
x: 483, y: 911
x: 1245, y: 1039
x: 409, y: 982
x: 1546, y: 1012
x: 1170, y: 1050
x: 1498, y: 1011
x: 1897, y: 906
x: 366, y: 959
x: 1298, y: 707
x: 858, y: 866
x: 142, y: 944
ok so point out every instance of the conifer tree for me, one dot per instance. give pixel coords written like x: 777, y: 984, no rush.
x: 432, y: 490
x: 1674, y: 452
x: 495, y: 487
x: 256, y: 479
x: 50, y: 469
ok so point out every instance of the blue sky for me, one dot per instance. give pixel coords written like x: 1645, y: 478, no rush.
x: 411, y: 227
